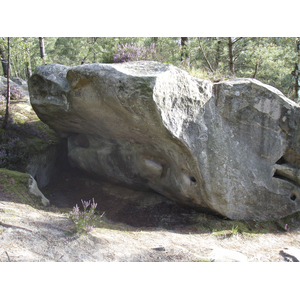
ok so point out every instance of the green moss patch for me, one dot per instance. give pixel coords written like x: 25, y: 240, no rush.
x: 25, y: 137
x: 14, y: 185
x: 226, y: 228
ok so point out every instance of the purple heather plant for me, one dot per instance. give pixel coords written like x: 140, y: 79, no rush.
x: 12, y: 150
x: 84, y: 220
x: 134, y: 52
x: 15, y: 93
x: 19, y: 143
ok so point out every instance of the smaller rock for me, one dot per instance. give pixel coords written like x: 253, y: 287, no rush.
x: 19, y: 81
x: 291, y: 253
x: 225, y: 255
x: 159, y: 249
x: 33, y: 189
x: 3, y: 81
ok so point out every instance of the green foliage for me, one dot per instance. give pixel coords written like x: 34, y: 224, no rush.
x: 23, y: 139
x: 270, y: 60
x: 275, y: 60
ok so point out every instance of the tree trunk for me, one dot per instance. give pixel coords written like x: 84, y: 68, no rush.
x: 5, y: 121
x: 3, y: 61
x: 255, y: 70
x: 231, y: 56
x: 218, y: 55
x: 297, y: 74
x: 234, y: 52
x: 184, y: 53
x: 42, y: 49
x: 12, y: 69
x: 28, y: 64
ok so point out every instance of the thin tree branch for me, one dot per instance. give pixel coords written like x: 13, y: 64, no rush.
x: 7, y: 256
x: 13, y: 226
x: 82, y: 62
x: 207, y: 61
x: 233, y: 42
x: 255, y: 71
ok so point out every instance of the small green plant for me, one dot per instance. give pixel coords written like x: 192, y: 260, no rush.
x: 84, y: 221
x: 235, y: 229
x: 227, y: 232
x: 203, y: 260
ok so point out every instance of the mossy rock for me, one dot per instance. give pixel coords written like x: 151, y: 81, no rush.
x: 15, y: 187
x: 33, y: 138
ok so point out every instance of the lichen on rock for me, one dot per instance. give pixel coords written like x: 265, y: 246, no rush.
x: 230, y: 147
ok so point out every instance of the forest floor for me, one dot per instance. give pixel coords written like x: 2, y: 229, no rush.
x: 166, y: 232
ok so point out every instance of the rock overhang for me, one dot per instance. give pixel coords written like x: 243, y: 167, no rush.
x: 152, y: 125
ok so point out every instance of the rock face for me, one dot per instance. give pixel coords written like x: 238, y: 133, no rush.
x: 33, y: 189
x: 16, y: 82
x: 225, y: 255
x: 45, y: 165
x: 230, y: 147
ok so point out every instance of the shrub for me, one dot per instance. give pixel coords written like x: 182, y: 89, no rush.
x: 13, y: 151
x: 134, y: 52
x: 84, y: 221
x: 15, y: 93
x: 18, y: 144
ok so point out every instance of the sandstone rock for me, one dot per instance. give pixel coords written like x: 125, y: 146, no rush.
x: 231, y: 147
x: 19, y: 81
x: 291, y: 253
x: 33, y: 189
x: 3, y: 81
x: 225, y: 255
x: 45, y: 165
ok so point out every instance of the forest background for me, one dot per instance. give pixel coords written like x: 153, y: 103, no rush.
x: 271, y: 60
x: 158, y: 18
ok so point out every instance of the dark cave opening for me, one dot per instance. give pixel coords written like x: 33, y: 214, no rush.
x: 68, y: 185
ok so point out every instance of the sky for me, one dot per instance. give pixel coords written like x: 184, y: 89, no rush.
x: 154, y: 18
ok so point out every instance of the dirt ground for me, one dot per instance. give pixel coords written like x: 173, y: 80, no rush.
x: 132, y: 230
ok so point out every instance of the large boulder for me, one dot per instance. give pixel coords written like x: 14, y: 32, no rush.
x: 230, y: 147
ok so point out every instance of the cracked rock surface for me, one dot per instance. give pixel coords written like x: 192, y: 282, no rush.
x: 230, y: 147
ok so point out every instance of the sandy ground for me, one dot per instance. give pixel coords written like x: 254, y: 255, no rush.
x: 30, y: 234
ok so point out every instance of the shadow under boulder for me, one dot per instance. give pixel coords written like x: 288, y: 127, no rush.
x: 120, y: 204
